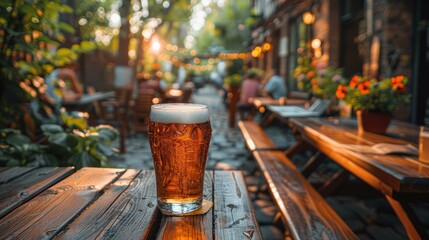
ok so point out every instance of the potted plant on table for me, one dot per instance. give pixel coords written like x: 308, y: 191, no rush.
x: 317, y: 78
x: 374, y: 100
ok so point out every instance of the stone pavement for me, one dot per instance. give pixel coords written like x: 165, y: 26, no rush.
x: 368, y: 215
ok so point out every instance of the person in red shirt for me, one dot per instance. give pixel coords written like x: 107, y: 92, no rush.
x: 249, y: 90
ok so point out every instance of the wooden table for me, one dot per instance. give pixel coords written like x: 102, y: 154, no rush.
x: 260, y: 105
x: 112, y: 203
x: 400, y: 178
x: 86, y: 104
x: 262, y: 102
x: 88, y: 99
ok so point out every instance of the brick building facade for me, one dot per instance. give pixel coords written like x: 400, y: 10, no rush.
x: 375, y: 38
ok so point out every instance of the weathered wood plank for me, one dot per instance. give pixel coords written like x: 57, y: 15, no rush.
x: 126, y: 210
x: 234, y: 215
x: 406, y: 214
x: 255, y: 137
x: 192, y: 227
x: 306, y: 213
x: 23, y: 184
x: 8, y: 174
x: 392, y: 173
x: 52, y: 210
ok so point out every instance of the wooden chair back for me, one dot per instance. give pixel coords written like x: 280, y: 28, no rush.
x: 142, y: 105
x: 186, y: 97
x: 99, y: 113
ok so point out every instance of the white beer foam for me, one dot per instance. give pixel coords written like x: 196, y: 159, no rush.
x: 179, y: 113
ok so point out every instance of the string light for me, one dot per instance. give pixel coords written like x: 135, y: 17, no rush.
x: 266, y: 47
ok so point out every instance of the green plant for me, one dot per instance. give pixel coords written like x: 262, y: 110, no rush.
x: 327, y: 82
x: 59, y: 147
x: 258, y: 72
x: 304, y: 73
x: 18, y: 150
x: 234, y: 80
x: 372, y: 95
x: 320, y: 81
x: 30, y: 47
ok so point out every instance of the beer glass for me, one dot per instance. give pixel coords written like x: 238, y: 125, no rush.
x: 179, y: 136
x: 424, y: 144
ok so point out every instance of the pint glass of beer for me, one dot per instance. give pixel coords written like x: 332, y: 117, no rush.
x: 179, y: 136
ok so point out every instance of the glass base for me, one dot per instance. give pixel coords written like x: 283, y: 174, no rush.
x: 179, y: 208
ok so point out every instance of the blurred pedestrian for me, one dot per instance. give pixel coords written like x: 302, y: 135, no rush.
x: 249, y: 90
x: 274, y: 86
x: 64, y: 85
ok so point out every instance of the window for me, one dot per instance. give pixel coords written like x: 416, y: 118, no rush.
x: 300, y: 35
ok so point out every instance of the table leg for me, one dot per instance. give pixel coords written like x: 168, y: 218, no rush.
x: 311, y: 165
x: 267, y: 120
x: 337, y: 180
x: 298, y: 147
x: 406, y: 214
x: 252, y: 114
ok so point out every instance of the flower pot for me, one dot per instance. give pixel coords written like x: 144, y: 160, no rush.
x: 374, y: 122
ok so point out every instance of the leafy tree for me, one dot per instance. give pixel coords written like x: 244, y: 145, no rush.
x: 226, y: 28
x: 30, y: 33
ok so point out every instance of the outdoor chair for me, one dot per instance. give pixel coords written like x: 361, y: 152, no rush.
x: 186, y: 96
x: 141, y: 110
x: 115, y: 112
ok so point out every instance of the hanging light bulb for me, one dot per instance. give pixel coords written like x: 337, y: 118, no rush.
x: 308, y: 17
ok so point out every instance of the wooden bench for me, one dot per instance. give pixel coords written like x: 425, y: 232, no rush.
x: 256, y: 138
x: 303, y: 210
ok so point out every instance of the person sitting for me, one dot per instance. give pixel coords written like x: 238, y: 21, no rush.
x: 249, y: 90
x: 275, y: 86
x: 63, y: 85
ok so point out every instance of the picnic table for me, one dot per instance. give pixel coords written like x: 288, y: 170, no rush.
x: 401, y: 178
x: 109, y: 203
x: 260, y: 103
x: 88, y: 99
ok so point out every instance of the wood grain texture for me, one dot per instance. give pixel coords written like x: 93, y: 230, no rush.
x: 190, y: 227
x: 306, y: 213
x: 23, y: 184
x: 255, y: 137
x: 414, y: 227
x: 8, y: 174
x: 400, y: 173
x: 126, y: 210
x: 101, y: 203
x: 234, y: 214
x: 49, y: 212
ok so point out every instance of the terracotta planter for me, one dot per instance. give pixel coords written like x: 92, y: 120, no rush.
x: 374, y: 122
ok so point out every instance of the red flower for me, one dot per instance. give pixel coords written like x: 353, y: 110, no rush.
x: 341, y: 91
x: 315, y: 87
x: 314, y: 81
x: 364, y: 87
x: 354, y: 81
x: 397, y: 83
x: 310, y: 74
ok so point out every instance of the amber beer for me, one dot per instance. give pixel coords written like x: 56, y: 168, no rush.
x: 179, y: 136
x: 424, y: 144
